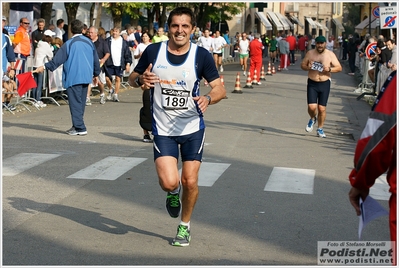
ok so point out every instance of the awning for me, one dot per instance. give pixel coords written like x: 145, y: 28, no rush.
x: 311, y: 23
x: 275, y: 21
x: 318, y: 24
x: 365, y: 23
x: 338, y: 24
x: 296, y: 21
x: 326, y: 28
x: 263, y: 19
x: 286, y: 22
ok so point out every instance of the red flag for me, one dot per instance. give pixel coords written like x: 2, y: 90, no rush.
x: 26, y: 82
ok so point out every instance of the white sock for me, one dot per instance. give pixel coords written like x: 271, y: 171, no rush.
x: 176, y: 191
x: 185, y: 224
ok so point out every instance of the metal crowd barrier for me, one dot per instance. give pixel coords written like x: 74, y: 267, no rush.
x: 366, y: 87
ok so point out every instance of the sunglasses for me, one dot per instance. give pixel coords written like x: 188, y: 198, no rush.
x: 27, y: 23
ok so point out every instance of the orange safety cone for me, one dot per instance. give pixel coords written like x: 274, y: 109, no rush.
x: 269, y: 69
x: 273, y: 70
x: 255, y: 81
x: 237, y: 87
x: 222, y: 80
x: 249, y: 83
x: 262, y: 73
x: 279, y: 69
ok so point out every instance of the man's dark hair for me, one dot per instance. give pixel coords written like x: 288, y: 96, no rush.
x: 76, y: 27
x: 182, y: 11
x: 59, y: 21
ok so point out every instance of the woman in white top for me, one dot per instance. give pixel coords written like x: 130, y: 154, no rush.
x: 243, y: 48
x: 43, y: 53
x: 217, y: 49
x: 145, y: 111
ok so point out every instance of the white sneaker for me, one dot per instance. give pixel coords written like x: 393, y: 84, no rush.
x: 41, y: 104
x: 244, y: 74
x: 221, y: 68
x: 259, y: 83
x: 88, y: 102
x: 36, y: 104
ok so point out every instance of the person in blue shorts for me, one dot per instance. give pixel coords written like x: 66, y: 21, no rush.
x: 172, y: 71
x: 320, y: 63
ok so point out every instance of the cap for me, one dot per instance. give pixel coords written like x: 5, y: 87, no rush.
x: 4, y: 18
x: 320, y: 39
x: 123, y: 32
x: 49, y: 33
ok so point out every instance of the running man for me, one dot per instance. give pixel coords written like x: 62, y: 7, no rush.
x: 319, y: 63
x: 243, y: 48
x: 172, y: 71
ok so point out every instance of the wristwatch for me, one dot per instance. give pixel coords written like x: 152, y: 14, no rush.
x: 209, y: 99
x: 137, y: 81
x: 329, y: 70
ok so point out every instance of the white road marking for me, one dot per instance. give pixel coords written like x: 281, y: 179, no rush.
x: 24, y: 161
x: 109, y: 168
x: 291, y: 180
x: 209, y: 173
x: 380, y: 189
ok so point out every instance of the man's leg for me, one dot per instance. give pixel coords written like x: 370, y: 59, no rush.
x: 117, y: 86
x: 77, y: 103
x: 321, y: 116
x: 190, y: 188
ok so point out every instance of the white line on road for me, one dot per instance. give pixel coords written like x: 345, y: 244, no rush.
x: 109, y: 168
x: 291, y: 180
x: 209, y: 173
x: 24, y: 161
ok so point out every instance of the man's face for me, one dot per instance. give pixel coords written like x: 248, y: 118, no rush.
x: 389, y: 45
x: 180, y: 30
x: 116, y: 33
x: 217, y: 33
x: 320, y: 47
x: 4, y: 24
x: 25, y: 23
x: 40, y: 26
x: 244, y: 36
x: 206, y: 33
x: 92, y: 34
x: 160, y: 32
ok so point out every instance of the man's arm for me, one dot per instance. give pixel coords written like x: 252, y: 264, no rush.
x: 335, y: 64
x: 305, y: 62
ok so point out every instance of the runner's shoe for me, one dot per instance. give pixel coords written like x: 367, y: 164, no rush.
x: 320, y: 133
x: 173, y: 204
x: 309, y: 127
x: 102, y: 98
x: 183, y: 237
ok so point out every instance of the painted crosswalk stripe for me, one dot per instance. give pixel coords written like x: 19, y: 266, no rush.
x: 109, y: 168
x: 209, y: 173
x: 291, y: 180
x: 380, y: 189
x: 24, y: 161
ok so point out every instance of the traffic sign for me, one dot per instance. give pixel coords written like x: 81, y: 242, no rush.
x: 370, y: 50
x: 376, y: 12
x: 388, y: 17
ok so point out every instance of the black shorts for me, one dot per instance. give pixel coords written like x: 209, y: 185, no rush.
x: 318, y: 92
x: 219, y: 54
x: 115, y: 70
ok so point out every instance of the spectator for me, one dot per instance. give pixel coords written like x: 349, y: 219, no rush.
x: 376, y: 153
x: 131, y: 37
x: 21, y: 42
x: 255, y: 49
x: 103, y: 54
x: 7, y: 56
x: 119, y: 61
x: 273, y: 49
x: 160, y: 36
x: 292, y: 47
x: 284, y: 50
x: 80, y: 64
x: 330, y: 43
x: 43, y: 54
x: 352, y: 50
x: 345, y: 48
x: 37, y: 35
x: 51, y: 27
x: 302, y: 44
x: 56, y: 44
x: 59, y: 30
x: 178, y: 124
x: 383, y: 69
x: 137, y: 34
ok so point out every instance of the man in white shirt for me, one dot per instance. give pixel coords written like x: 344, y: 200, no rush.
x: 206, y: 41
x: 59, y: 30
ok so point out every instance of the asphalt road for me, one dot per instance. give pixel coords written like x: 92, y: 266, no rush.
x: 95, y: 199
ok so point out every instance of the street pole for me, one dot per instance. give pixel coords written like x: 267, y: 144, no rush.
x: 370, y: 19
x: 220, y: 20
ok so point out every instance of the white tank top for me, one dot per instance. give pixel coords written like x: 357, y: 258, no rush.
x: 174, y: 111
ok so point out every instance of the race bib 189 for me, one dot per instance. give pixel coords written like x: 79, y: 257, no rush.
x: 173, y: 99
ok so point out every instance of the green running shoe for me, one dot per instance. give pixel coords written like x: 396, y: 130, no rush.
x: 183, y: 237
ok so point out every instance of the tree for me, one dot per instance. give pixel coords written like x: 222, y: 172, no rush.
x: 45, y: 11
x: 351, y: 17
x: 71, y: 10
x: 118, y: 9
